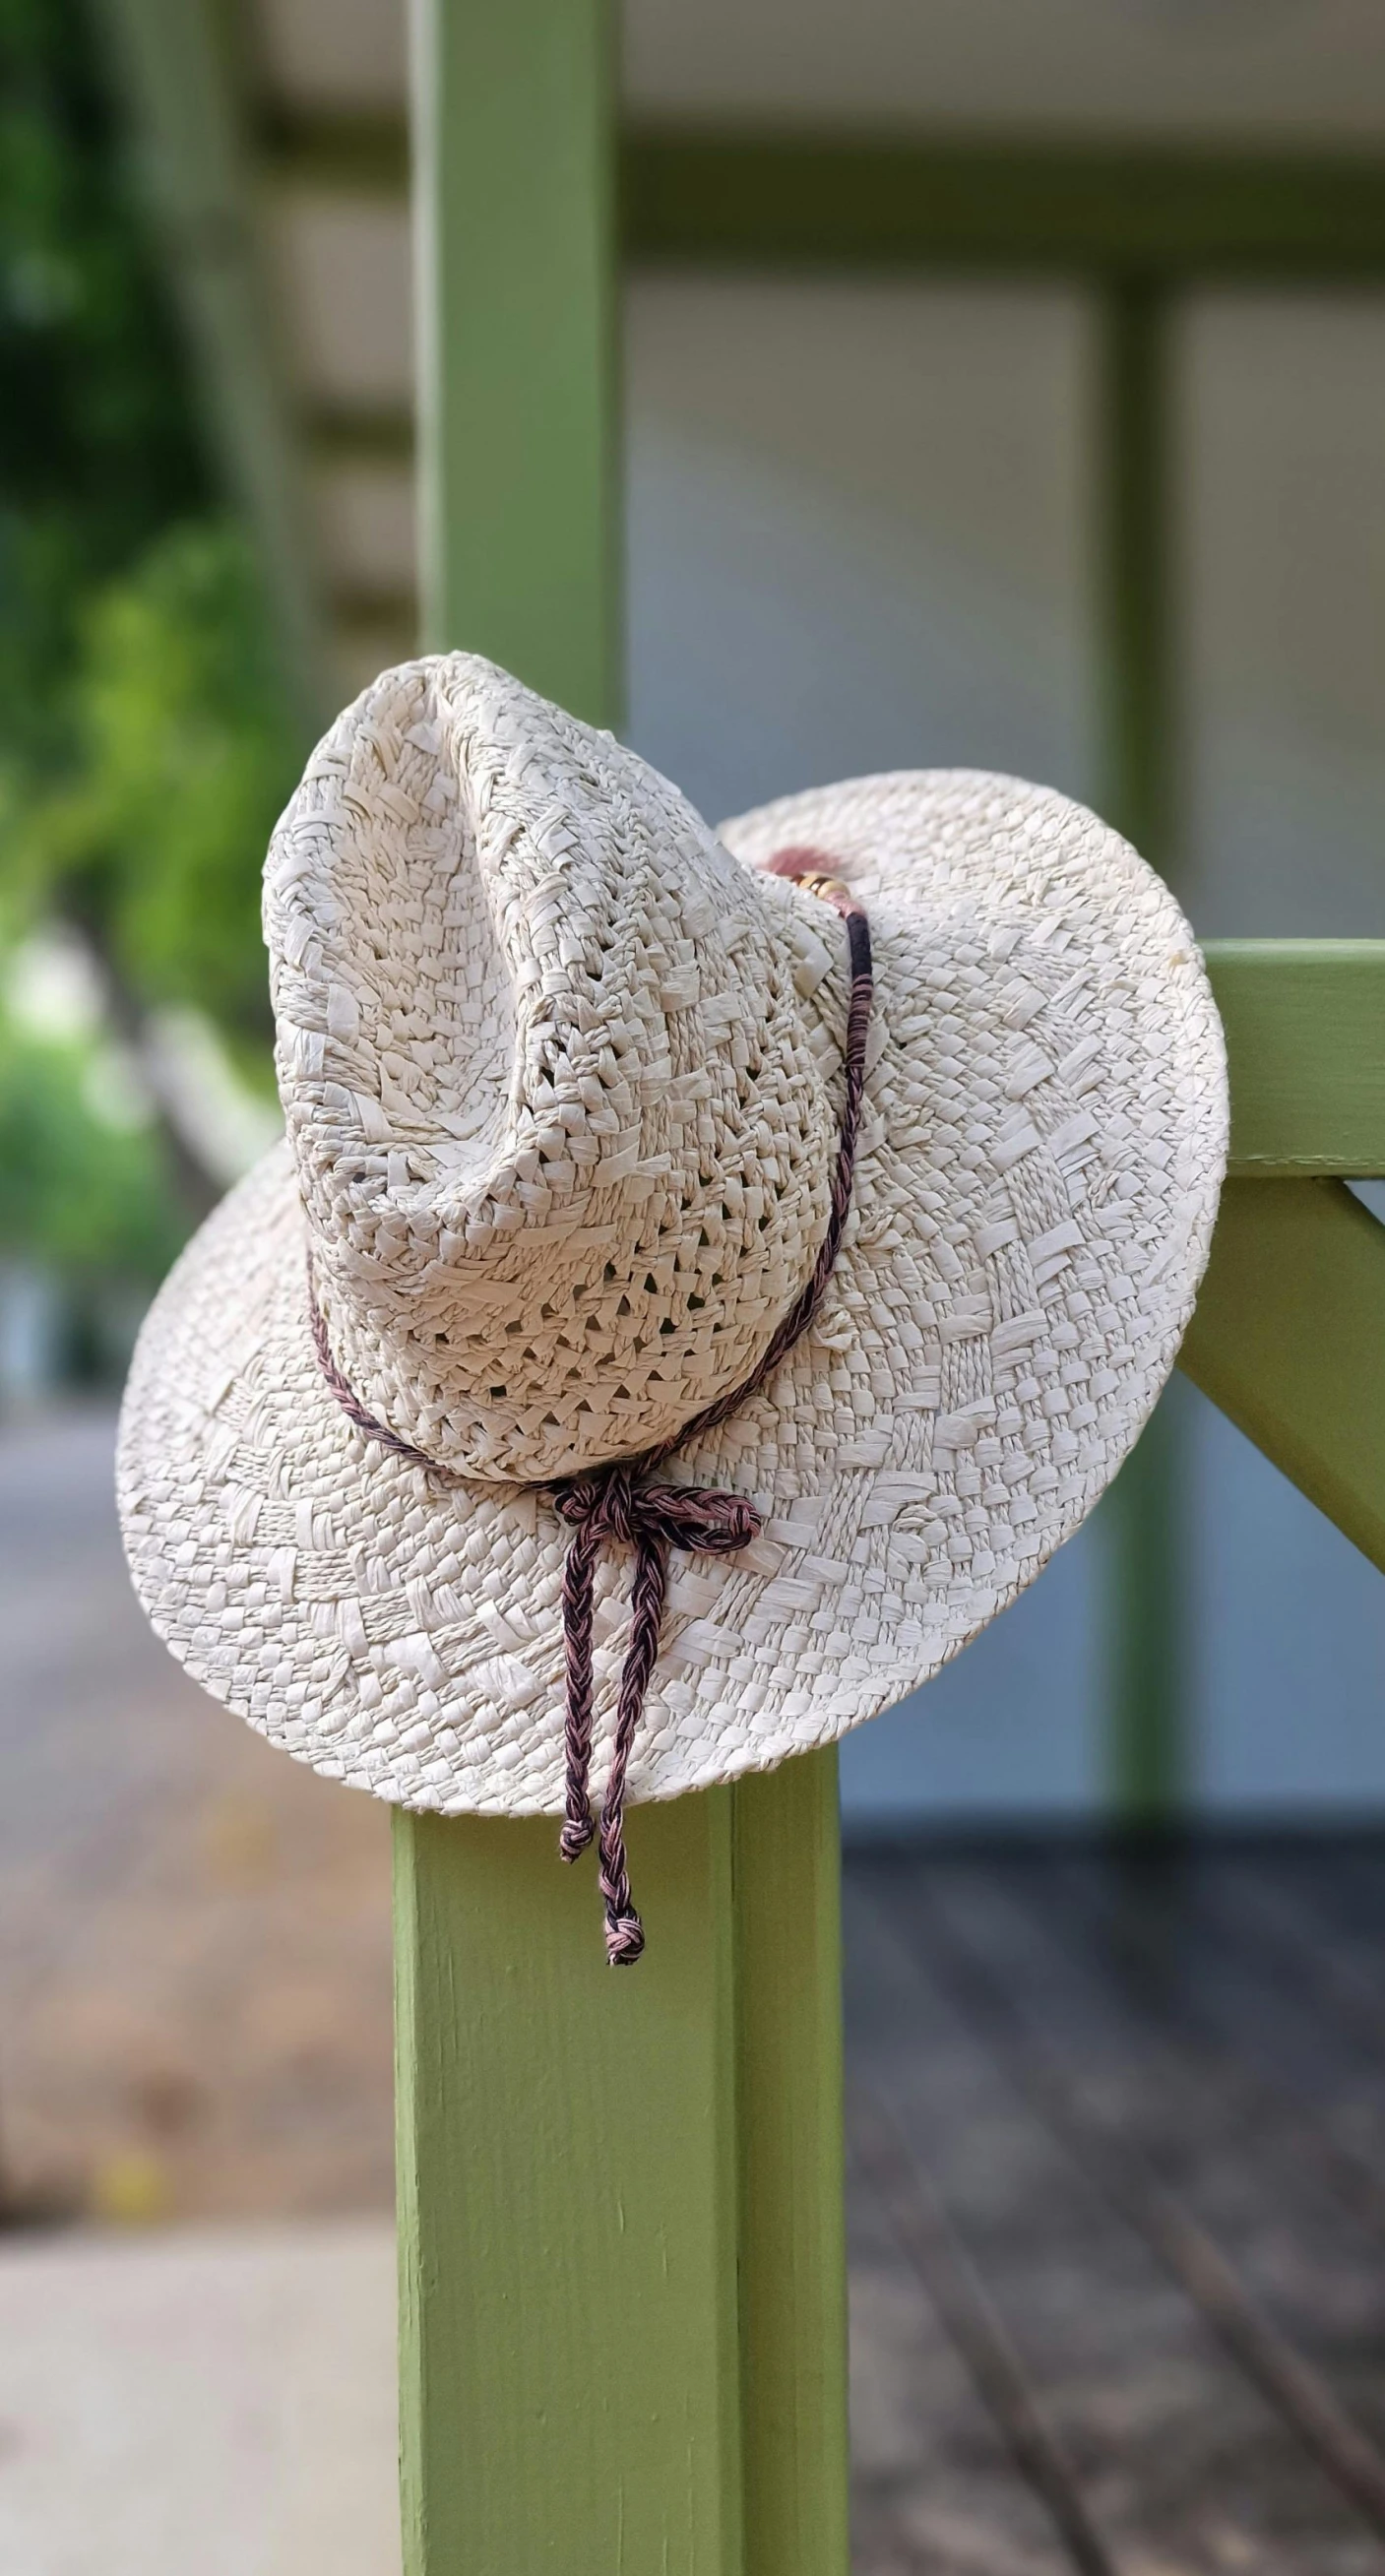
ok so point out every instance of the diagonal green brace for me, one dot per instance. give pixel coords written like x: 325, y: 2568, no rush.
x: 1288, y: 1337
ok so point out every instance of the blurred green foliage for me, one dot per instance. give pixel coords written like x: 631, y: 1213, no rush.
x: 144, y: 746
x: 76, y: 1191
x: 181, y: 753
x: 99, y: 446
x: 144, y: 750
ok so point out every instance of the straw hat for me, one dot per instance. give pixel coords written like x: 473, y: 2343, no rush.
x: 563, y: 1081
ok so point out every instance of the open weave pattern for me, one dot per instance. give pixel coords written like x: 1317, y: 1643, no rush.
x: 1036, y: 1181
x: 617, y: 1501
x: 558, y: 1126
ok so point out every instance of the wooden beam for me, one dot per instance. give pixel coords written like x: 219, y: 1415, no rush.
x: 1305, y: 1041
x: 356, y: 433
x: 1065, y: 206
x: 1287, y: 1338
x: 366, y: 149
x: 711, y: 196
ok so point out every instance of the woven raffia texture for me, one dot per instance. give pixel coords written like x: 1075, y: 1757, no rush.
x: 562, y: 1080
x: 566, y: 1153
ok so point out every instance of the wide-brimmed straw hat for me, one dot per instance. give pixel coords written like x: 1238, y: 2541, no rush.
x: 565, y: 1080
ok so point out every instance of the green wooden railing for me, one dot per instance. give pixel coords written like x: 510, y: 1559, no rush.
x: 622, y: 2337
x: 621, y: 2261
x: 622, y: 2327
x: 1135, y: 224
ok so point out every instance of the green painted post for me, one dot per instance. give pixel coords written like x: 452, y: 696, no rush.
x: 622, y: 2342
x: 570, y: 2381
x: 622, y: 2304
x: 786, y: 1857
x: 514, y: 160
x: 1145, y: 1664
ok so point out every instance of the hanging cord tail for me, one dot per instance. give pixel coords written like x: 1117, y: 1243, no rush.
x: 579, y: 1584
x: 624, y: 1930
x: 606, y: 1505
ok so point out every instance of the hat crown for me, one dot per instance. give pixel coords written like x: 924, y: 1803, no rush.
x: 562, y: 1136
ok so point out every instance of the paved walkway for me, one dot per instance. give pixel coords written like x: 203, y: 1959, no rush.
x: 194, y: 2026
x: 209, y: 2402
x: 194, y: 1932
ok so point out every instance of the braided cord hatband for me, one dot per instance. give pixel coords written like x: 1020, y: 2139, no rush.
x: 617, y: 1503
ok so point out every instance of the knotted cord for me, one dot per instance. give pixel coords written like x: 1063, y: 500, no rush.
x: 615, y: 1504
x: 607, y: 1505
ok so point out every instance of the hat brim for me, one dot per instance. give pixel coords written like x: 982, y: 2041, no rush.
x: 1035, y: 1192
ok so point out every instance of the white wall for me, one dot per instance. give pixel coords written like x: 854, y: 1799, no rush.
x: 1283, y: 561
x: 856, y: 539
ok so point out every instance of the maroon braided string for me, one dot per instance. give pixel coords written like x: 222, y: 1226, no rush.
x: 612, y: 1503
x: 351, y: 1404
x: 606, y: 1504
x: 579, y: 1579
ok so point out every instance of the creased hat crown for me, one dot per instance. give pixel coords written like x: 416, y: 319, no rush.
x: 562, y: 1136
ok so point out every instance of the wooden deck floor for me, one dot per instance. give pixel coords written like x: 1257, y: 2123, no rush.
x: 1117, y: 2210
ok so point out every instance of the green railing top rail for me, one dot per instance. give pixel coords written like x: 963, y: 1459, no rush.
x: 755, y: 194
x: 1066, y: 205
x: 1305, y: 1043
